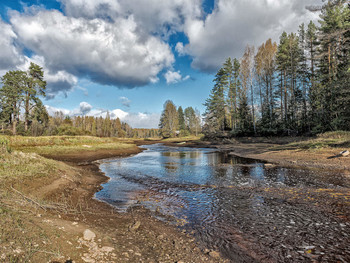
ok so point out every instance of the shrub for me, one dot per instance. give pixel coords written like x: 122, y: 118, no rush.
x: 4, y: 145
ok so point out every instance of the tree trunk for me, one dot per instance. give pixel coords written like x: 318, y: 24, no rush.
x: 253, y: 112
x: 26, y: 112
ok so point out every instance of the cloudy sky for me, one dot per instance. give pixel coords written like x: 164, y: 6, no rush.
x: 130, y: 56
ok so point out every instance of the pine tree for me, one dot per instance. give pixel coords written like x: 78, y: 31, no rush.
x: 11, y: 94
x: 181, y: 117
x: 215, y: 115
x: 35, y: 86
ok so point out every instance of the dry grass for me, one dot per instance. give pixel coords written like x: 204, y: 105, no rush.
x: 339, y: 139
x: 64, y: 144
x: 184, y: 139
x: 18, y: 165
x: 21, y: 239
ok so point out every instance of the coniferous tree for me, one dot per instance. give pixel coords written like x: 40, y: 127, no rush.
x: 181, y: 117
x: 35, y: 86
x: 11, y: 93
x: 215, y: 114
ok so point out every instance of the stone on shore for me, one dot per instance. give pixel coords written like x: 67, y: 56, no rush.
x: 89, y: 235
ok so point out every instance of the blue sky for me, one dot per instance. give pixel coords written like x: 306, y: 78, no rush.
x: 130, y: 56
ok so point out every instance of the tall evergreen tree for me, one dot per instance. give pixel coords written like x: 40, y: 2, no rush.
x: 215, y: 114
x: 36, y: 85
x: 181, y: 117
x: 11, y: 94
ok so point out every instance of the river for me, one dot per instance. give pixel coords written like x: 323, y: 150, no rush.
x: 248, y: 211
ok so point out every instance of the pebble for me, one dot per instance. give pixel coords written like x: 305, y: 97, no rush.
x: 89, y: 235
x: 135, y: 226
x: 214, y: 254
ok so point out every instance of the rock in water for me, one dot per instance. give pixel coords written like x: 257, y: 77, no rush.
x: 89, y: 235
x: 345, y: 153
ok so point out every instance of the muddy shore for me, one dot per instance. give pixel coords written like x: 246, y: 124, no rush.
x: 266, y: 150
x: 134, y: 236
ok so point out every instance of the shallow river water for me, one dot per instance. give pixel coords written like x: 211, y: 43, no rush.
x: 248, y: 212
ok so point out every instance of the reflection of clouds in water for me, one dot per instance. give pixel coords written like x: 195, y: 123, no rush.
x: 214, y: 192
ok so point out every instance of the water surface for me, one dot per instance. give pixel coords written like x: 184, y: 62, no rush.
x: 225, y: 202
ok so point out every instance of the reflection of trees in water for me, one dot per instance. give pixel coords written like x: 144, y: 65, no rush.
x: 183, y: 155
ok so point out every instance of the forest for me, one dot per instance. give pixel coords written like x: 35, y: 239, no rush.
x: 299, y: 86
x: 23, y: 113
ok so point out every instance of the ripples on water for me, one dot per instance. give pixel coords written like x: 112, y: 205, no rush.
x: 221, y: 199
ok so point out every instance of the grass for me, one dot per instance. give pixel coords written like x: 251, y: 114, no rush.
x: 23, y: 169
x: 64, y: 144
x: 184, y: 139
x: 19, y: 165
x: 339, y: 139
x: 21, y: 240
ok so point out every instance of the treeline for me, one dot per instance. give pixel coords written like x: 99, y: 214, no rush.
x: 22, y: 112
x: 59, y: 124
x: 178, y: 122
x: 298, y: 86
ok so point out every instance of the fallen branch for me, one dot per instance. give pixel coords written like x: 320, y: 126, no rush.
x: 28, y: 199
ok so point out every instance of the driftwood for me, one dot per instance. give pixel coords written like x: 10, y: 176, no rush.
x: 341, y: 154
x: 28, y: 199
x: 345, y: 153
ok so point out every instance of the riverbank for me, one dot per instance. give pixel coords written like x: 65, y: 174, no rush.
x: 322, y: 152
x: 46, y: 204
x: 48, y: 214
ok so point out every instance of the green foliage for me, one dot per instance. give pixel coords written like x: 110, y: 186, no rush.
x: 169, y: 122
x: 299, y: 87
x: 4, y: 145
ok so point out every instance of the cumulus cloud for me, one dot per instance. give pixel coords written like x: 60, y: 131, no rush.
x: 135, y: 120
x: 125, y: 42
x: 234, y: 24
x: 109, y: 53
x: 57, y: 81
x: 51, y: 110
x: 125, y: 101
x: 10, y: 56
x: 172, y: 77
x: 153, y: 16
x: 84, y: 108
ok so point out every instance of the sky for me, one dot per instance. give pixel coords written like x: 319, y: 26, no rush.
x: 129, y: 56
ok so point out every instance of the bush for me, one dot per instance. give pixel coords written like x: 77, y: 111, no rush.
x: 4, y: 145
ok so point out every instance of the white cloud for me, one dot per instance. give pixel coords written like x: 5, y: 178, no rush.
x: 59, y: 81
x: 180, y: 48
x: 52, y: 110
x: 125, y: 101
x: 172, y: 77
x: 234, y: 24
x: 152, y: 16
x: 9, y: 54
x: 118, y: 113
x: 84, y: 108
x: 109, y: 53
